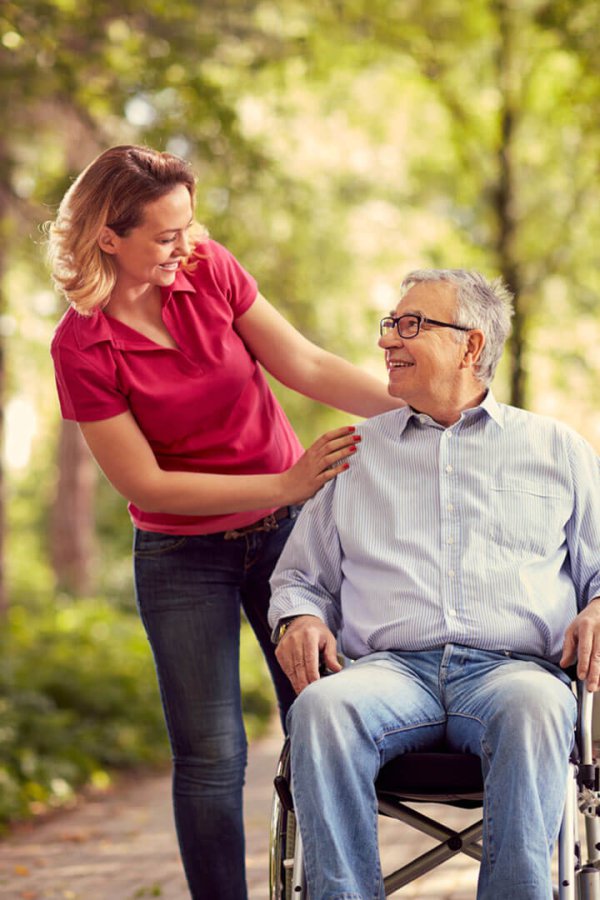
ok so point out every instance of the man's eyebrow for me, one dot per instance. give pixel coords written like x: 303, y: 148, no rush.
x: 407, y: 312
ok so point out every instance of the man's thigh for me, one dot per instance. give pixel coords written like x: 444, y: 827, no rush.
x: 380, y: 698
x: 488, y: 696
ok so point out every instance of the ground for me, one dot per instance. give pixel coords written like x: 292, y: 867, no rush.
x: 120, y: 845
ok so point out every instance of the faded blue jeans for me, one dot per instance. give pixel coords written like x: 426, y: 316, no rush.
x: 515, y: 713
x: 190, y: 591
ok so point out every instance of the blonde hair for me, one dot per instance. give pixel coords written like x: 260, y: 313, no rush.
x: 112, y: 191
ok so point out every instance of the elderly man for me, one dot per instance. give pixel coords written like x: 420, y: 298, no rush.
x: 458, y: 563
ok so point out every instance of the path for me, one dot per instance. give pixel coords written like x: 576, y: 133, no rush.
x: 121, y: 846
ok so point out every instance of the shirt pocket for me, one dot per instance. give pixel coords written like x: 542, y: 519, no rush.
x: 527, y: 517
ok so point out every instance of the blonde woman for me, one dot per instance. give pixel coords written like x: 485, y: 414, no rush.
x: 159, y: 359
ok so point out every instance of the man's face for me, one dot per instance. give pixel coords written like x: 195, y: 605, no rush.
x: 425, y: 370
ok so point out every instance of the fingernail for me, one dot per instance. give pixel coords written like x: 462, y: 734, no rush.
x: 346, y: 466
x: 357, y: 438
x: 351, y: 428
x: 352, y: 449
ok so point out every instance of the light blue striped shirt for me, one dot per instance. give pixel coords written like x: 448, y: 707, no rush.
x: 486, y: 534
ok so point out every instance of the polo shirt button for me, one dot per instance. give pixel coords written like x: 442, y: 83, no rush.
x: 449, y: 469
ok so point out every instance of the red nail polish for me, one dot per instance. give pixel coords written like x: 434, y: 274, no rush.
x: 357, y: 438
x: 352, y: 449
x: 351, y: 428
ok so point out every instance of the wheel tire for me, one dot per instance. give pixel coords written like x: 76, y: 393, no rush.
x: 283, y: 837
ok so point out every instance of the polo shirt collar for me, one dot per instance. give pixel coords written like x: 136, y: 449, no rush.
x: 91, y: 330
x: 96, y: 329
x: 182, y: 283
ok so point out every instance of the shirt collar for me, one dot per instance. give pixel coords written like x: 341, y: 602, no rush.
x: 96, y: 328
x: 182, y: 283
x: 488, y: 406
x: 491, y: 406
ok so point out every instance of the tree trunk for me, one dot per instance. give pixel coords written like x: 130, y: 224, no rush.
x: 4, y: 167
x: 505, y: 198
x: 72, y: 536
x: 3, y: 590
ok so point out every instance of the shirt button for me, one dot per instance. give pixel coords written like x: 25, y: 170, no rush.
x: 451, y: 573
x: 450, y: 540
x: 448, y: 434
x: 422, y: 420
x: 450, y: 507
x: 449, y: 469
x: 452, y: 612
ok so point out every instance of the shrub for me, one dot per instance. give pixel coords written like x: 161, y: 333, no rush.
x: 78, y: 698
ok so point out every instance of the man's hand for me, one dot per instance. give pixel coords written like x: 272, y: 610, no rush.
x: 306, y: 639
x: 582, y: 642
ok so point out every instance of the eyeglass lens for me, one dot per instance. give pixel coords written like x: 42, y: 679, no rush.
x: 408, y: 326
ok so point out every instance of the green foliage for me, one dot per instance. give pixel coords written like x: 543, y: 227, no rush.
x: 78, y: 696
x: 337, y: 145
x: 78, y: 699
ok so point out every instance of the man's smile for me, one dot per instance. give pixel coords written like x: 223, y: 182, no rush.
x: 392, y: 363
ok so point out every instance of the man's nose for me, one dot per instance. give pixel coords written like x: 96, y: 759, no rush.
x: 391, y: 339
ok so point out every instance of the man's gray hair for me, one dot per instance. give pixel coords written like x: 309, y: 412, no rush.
x: 486, y: 305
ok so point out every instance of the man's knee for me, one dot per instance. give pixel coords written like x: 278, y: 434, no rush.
x: 538, y: 706
x: 324, y: 709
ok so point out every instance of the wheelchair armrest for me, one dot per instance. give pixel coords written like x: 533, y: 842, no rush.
x: 588, y: 775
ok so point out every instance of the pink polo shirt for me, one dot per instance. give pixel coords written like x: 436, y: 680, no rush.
x: 205, y: 407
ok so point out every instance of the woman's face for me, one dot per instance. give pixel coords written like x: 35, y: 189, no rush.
x: 152, y: 252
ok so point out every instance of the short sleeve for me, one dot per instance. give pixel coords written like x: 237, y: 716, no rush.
x: 238, y: 286
x: 87, y: 387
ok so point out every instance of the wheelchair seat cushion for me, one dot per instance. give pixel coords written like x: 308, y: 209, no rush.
x: 433, y: 776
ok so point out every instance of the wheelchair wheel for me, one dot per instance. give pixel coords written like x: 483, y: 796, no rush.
x: 283, y: 839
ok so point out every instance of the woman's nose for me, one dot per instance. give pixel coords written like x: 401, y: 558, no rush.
x: 183, y: 244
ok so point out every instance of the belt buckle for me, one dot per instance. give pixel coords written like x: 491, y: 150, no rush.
x: 269, y: 523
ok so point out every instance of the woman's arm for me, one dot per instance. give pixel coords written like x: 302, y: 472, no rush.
x: 126, y: 458
x: 306, y: 368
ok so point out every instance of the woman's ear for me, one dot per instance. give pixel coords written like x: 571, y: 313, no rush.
x: 108, y: 241
x: 474, y: 347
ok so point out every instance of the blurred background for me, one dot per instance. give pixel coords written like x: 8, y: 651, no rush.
x: 337, y: 146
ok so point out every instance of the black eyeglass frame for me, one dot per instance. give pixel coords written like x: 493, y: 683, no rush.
x: 420, y: 321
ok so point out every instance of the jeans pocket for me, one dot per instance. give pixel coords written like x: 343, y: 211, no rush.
x: 154, y: 543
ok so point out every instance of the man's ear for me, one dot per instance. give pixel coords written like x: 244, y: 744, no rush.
x: 474, y: 348
x: 108, y: 241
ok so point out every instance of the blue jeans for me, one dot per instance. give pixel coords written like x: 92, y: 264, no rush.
x: 189, y: 592
x: 516, y: 714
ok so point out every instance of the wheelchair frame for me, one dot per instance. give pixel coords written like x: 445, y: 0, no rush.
x: 578, y: 879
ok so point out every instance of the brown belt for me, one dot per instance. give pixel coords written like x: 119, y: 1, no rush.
x: 269, y: 523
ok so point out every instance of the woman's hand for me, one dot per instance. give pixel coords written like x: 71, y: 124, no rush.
x: 325, y: 459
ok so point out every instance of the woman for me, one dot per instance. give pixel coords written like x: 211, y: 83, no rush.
x: 157, y: 360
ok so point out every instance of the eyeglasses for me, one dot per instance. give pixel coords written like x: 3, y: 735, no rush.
x: 409, y: 325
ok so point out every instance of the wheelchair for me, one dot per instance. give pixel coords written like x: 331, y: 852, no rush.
x: 454, y: 779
